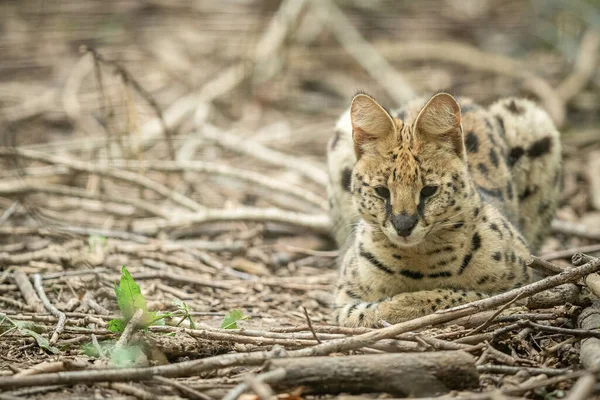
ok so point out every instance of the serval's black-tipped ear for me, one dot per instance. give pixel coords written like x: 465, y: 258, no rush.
x: 370, y: 122
x: 439, y: 120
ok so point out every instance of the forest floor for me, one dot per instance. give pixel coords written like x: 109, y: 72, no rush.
x: 186, y: 142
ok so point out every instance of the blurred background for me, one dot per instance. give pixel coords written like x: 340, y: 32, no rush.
x: 299, y: 78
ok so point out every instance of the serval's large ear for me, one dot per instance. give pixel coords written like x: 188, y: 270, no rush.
x: 370, y: 122
x: 439, y: 120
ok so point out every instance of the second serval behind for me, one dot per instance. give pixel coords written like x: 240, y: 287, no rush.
x: 437, y: 204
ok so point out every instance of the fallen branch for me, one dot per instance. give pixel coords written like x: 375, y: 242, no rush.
x: 592, y: 281
x: 417, y: 374
x: 26, y: 289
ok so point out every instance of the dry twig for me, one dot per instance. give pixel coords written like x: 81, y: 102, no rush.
x: 60, y: 325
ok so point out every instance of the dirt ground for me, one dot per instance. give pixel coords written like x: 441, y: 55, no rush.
x: 186, y: 141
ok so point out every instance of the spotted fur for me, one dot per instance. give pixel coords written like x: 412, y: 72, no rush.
x: 495, y: 172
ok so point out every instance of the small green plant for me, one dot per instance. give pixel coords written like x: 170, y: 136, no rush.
x: 231, y: 319
x: 183, y: 308
x: 130, y: 299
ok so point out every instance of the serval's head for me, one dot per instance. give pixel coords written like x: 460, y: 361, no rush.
x: 410, y: 179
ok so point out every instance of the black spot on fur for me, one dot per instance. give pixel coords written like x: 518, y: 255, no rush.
x: 411, y: 274
x: 482, y: 168
x: 494, y: 157
x: 346, y: 179
x: 350, y: 293
x: 352, y: 308
x: 515, y: 154
x: 441, y: 274
x: 475, y: 242
x: 509, y: 191
x: 514, y: 108
x: 458, y: 225
x: 465, y: 263
x: 476, y: 212
x: 496, y: 229
x: 540, y: 147
x: 471, y: 143
x: 527, y: 192
x: 497, y: 256
x: 483, y: 280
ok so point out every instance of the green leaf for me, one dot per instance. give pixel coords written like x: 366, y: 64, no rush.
x: 129, y: 295
x: 116, y: 325
x: 231, y: 319
x: 41, y: 341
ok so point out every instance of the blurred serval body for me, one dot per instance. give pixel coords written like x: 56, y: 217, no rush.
x: 438, y: 203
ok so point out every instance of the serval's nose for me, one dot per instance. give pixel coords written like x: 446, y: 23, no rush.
x: 404, y: 223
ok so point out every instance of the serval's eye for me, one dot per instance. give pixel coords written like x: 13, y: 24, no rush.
x: 382, y: 191
x: 428, y: 191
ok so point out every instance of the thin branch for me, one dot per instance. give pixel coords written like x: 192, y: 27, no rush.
x: 129, y: 329
x: 309, y: 322
x: 317, y: 223
x: 22, y: 187
x: 39, y: 287
x: 225, y: 170
x: 128, y: 79
x: 239, y: 145
x: 27, y: 291
x: 575, y: 229
x: 114, y: 173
